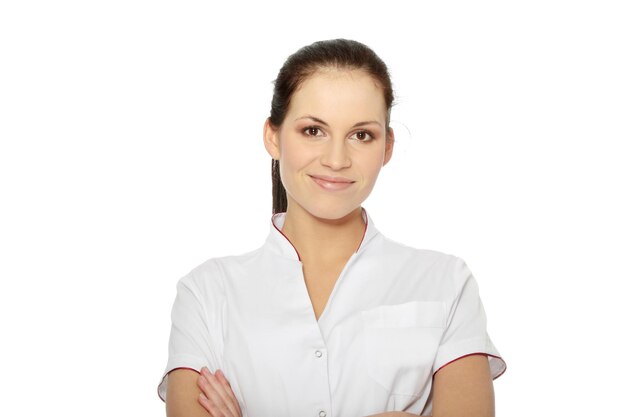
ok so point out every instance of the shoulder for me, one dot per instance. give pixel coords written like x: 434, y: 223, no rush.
x: 212, y: 273
x: 439, y: 269
x: 431, y: 258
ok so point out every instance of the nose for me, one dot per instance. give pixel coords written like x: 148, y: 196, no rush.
x: 336, y: 155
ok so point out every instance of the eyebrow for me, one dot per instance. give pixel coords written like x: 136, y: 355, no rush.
x: 320, y: 121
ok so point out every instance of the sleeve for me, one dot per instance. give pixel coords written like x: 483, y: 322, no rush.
x: 193, y: 342
x: 466, y: 325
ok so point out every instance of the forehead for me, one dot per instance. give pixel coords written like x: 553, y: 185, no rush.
x: 339, y: 95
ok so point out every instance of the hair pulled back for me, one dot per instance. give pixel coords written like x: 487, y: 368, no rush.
x: 336, y: 53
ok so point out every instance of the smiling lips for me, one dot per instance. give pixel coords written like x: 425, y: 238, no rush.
x: 332, y: 183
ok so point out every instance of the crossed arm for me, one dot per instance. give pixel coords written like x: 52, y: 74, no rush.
x: 461, y: 388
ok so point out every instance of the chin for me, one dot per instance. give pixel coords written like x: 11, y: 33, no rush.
x: 331, y: 212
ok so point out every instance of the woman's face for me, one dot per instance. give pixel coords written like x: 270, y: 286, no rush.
x: 334, y: 127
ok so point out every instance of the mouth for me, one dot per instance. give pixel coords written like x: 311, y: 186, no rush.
x: 332, y: 183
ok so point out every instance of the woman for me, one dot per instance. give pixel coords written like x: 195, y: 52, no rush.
x: 329, y: 317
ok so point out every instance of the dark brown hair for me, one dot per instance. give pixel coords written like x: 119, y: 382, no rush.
x: 336, y: 53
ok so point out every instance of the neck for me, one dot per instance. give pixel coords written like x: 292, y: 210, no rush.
x: 321, y: 239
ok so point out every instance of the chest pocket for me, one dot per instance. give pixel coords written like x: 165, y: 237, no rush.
x: 401, y: 343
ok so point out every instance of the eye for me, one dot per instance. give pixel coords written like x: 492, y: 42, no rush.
x: 312, y: 131
x: 363, y: 136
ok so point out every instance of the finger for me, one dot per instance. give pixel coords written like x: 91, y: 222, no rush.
x: 222, y: 378
x: 208, y: 405
x: 229, y: 404
x: 230, y: 400
x: 211, y: 395
x: 222, y: 400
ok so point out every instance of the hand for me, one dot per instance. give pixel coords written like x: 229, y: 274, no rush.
x: 217, y: 397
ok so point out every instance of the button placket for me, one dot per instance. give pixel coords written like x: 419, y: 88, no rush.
x: 320, y: 354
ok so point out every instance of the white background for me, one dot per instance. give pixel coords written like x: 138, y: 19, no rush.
x: 131, y: 151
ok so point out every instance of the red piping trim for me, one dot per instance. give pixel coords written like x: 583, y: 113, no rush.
x: 298, y: 253
x: 471, y: 354
x: 294, y: 248
x: 364, y: 231
x: 163, y: 379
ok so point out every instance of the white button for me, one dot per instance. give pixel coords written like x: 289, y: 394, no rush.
x: 319, y: 355
x: 322, y: 413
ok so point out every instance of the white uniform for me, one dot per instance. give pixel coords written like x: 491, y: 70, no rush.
x: 395, y: 316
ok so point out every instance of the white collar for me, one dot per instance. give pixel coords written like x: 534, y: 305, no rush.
x: 279, y: 243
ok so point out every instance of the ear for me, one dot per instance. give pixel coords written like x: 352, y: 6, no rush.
x: 270, y: 139
x: 389, y: 141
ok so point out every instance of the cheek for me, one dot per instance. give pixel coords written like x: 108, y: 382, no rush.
x: 294, y: 156
x: 371, y: 164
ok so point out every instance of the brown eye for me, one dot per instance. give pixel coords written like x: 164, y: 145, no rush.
x: 363, y: 136
x: 312, y: 131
